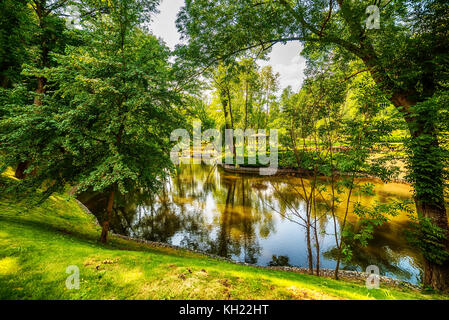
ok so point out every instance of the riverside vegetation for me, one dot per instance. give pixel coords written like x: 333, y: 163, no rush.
x: 38, y: 243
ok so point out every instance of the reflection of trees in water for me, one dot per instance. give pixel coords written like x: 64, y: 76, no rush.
x: 124, y: 210
x: 194, y: 181
x: 145, y: 215
x: 300, y: 206
x: 251, y: 248
x: 176, y: 213
x: 279, y: 261
x: 382, y: 251
x: 233, y: 229
x: 236, y: 234
x: 158, y: 221
x: 236, y: 221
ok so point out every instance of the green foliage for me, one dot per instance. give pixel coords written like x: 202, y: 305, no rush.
x: 426, y: 165
x: 287, y: 159
x: 430, y: 239
x: 106, y: 116
x: 15, y: 22
x: 369, y: 218
x: 243, y: 95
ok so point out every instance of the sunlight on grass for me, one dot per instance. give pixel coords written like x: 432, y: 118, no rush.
x: 9, y: 172
x: 9, y: 266
x: 307, y: 294
x: 131, y: 276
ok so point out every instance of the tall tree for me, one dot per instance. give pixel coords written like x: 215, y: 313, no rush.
x: 223, y: 78
x: 270, y: 82
x: 15, y: 21
x: 47, y: 36
x: 249, y: 79
x: 115, y: 105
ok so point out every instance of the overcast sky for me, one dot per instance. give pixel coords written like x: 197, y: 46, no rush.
x: 285, y: 59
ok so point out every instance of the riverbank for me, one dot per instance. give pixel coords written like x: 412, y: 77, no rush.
x: 347, y: 275
x: 38, y: 243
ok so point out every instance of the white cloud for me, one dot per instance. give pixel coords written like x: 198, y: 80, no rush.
x: 164, y: 24
x: 285, y: 59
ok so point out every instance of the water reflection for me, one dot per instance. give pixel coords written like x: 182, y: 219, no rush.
x: 249, y: 218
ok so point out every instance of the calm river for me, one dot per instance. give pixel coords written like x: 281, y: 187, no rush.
x: 245, y: 217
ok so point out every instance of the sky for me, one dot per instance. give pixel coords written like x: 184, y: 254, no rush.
x: 285, y: 59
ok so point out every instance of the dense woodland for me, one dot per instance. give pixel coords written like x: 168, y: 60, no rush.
x: 89, y: 102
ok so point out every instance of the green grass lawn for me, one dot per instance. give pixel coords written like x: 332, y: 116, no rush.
x: 38, y: 243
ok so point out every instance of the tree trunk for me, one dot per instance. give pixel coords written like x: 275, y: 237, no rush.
x: 41, y: 81
x: 309, y: 242
x: 337, y: 268
x: 427, y: 179
x: 224, y: 102
x: 232, y: 122
x: 435, y: 276
x: 317, y: 252
x: 317, y: 239
x: 246, y: 105
x: 4, y: 81
x: 105, y: 230
x: 309, y: 250
x: 428, y: 182
x: 295, y: 149
x: 429, y: 200
x: 20, y: 170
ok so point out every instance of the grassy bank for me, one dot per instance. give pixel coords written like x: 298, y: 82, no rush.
x: 38, y: 243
